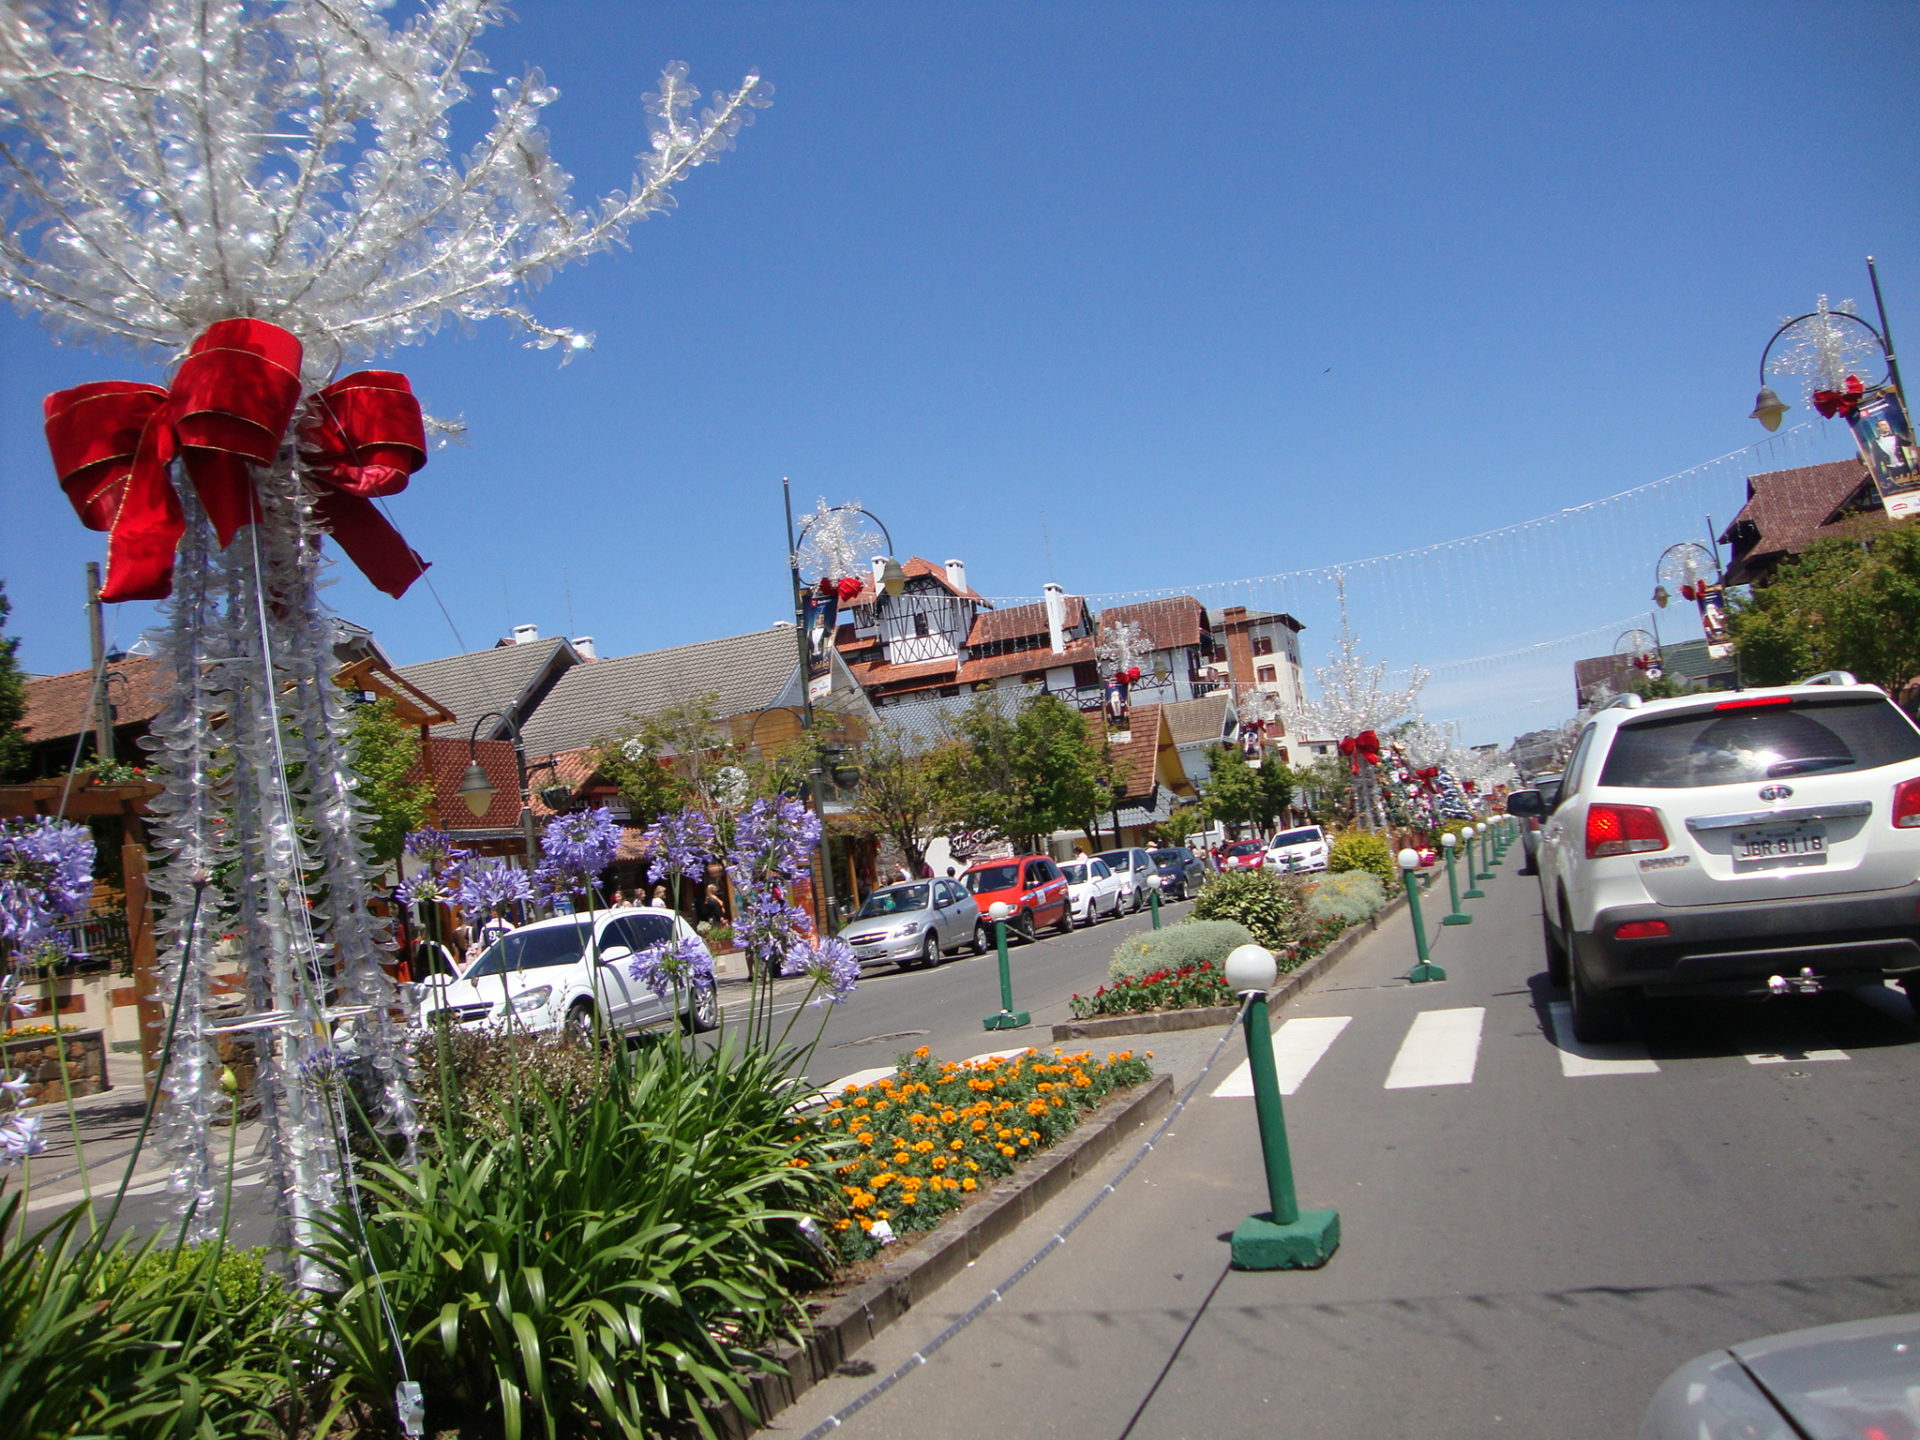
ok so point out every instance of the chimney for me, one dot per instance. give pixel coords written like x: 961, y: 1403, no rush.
x: 957, y: 574
x: 1056, y: 603
x: 525, y: 634
x: 584, y: 644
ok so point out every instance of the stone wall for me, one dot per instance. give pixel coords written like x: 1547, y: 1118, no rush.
x: 39, y: 1057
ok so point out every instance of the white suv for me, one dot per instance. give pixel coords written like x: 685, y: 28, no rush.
x: 1303, y: 850
x: 1745, y: 842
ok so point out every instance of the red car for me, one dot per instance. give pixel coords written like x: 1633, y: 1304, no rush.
x: 1243, y: 855
x: 1031, y: 884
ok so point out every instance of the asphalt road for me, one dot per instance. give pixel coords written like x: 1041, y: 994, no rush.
x: 1534, y: 1233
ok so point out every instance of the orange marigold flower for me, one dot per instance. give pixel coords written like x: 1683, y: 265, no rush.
x: 939, y: 1162
x: 956, y: 1144
x: 923, y: 1146
x: 969, y: 1183
x: 1007, y: 1150
x: 859, y: 1200
x: 865, y: 1137
x: 922, y: 1053
x: 901, y: 1157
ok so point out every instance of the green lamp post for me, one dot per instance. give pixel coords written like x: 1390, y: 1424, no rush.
x: 1424, y: 969
x: 1008, y: 1018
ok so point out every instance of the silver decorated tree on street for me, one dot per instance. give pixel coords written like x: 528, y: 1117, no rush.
x: 1356, y: 707
x: 261, y: 195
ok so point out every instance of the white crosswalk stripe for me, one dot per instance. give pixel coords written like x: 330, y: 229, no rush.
x: 1579, y: 1058
x: 1441, y: 1048
x: 1297, y: 1048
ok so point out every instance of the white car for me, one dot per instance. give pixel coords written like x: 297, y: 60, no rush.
x: 1299, y: 850
x: 570, y: 972
x: 1093, y: 889
x: 1758, y: 842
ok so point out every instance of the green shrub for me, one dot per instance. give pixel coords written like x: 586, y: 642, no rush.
x: 1348, y: 896
x: 493, y: 1084
x: 1269, y: 905
x: 137, y: 1339
x: 617, y: 1277
x: 1192, y: 942
x: 1362, y: 850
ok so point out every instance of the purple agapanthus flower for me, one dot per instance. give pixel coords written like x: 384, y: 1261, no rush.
x: 672, y: 964
x: 485, y: 886
x: 829, y: 963
x: 576, y: 848
x: 434, y: 846
x: 19, y: 1137
x: 773, y: 842
x: 681, y: 844
x: 46, y: 877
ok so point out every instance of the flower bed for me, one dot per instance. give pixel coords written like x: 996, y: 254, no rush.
x: 924, y: 1141
x: 1191, y: 987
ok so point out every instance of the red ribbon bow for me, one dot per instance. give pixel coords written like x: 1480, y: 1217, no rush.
x: 228, y: 408
x: 843, y: 589
x: 1364, y: 746
x: 1429, y: 778
x: 1129, y: 675
x: 1844, y: 403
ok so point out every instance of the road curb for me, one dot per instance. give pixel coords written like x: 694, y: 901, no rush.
x: 848, y: 1323
x: 1291, y: 983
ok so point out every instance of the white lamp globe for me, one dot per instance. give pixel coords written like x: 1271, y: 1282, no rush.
x: 1478, y: 831
x: 1409, y: 859
x: 1000, y: 910
x: 1449, y: 840
x: 1251, y: 967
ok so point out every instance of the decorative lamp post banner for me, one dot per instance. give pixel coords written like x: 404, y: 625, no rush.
x: 1711, y: 597
x: 1885, y: 434
x: 822, y: 616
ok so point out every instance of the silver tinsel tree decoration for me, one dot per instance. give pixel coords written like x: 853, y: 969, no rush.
x: 177, y: 166
x: 1354, y: 698
x: 1822, y: 349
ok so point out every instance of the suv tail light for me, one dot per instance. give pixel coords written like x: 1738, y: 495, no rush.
x: 1623, y: 830
x: 1906, y: 804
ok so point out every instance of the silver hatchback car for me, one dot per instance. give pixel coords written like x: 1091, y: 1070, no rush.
x: 914, y: 923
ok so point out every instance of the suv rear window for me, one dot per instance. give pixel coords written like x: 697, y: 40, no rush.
x: 1764, y: 742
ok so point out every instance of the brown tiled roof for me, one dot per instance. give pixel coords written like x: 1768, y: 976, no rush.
x: 878, y: 672
x: 1169, y: 624
x: 1020, y: 662
x: 995, y: 625
x: 449, y: 757
x: 915, y: 567
x: 60, y: 706
x: 1788, y: 510
x: 1134, y: 761
x: 1191, y: 721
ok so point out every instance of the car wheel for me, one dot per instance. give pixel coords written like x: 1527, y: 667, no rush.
x: 1598, y: 1017
x: 580, y: 1020
x: 1138, y: 901
x: 982, y: 938
x: 703, y: 1010
x: 929, y: 952
x: 1556, y: 953
x: 1024, y: 923
x: 1065, y: 927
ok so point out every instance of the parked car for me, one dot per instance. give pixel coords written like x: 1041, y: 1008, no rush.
x: 1300, y: 850
x: 914, y: 923
x: 1760, y: 842
x: 1549, y: 788
x: 1243, y: 855
x: 1031, y: 884
x: 1853, y: 1379
x: 1181, y: 871
x: 1093, y: 889
x: 1136, y: 871
x: 571, y: 972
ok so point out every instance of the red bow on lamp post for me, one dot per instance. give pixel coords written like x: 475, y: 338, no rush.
x: 1364, y: 746
x: 1845, y: 402
x: 1429, y: 779
x: 113, y: 443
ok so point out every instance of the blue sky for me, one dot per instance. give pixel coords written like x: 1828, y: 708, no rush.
x: 1127, y: 296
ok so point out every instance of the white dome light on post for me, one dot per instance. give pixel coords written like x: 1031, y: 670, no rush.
x: 1251, y: 968
x: 1408, y: 859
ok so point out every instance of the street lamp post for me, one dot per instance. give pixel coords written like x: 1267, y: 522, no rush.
x: 893, y: 580
x: 478, y: 791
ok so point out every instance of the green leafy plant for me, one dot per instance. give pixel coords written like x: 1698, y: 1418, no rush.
x: 616, y: 1277
x: 1191, y: 987
x: 1269, y: 905
x: 1192, y: 942
x: 495, y: 1085
x: 1362, y: 850
x: 1349, y: 896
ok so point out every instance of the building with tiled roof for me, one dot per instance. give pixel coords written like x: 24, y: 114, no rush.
x: 508, y: 681
x: 1787, y: 510
x: 1261, y: 650
x: 1149, y: 777
x: 915, y: 641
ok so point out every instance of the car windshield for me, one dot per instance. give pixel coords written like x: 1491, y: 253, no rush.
x: 1736, y: 746
x: 992, y: 877
x: 1244, y: 847
x: 531, y: 949
x: 1305, y: 836
x: 1166, y: 857
x: 895, y: 900
x: 1075, y: 871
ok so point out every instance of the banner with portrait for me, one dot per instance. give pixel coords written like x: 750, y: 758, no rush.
x: 822, y: 616
x: 1713, y: 620
x: 1885, y: 434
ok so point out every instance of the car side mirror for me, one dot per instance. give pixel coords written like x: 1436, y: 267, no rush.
x: 613, y: 954
x: 1526, y: 802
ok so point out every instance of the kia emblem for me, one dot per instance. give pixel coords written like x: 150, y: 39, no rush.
x: 1776, y: 792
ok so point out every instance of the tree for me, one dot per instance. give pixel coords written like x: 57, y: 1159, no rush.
x: 1847, y: 603
x: 13, y: 699
x: 1024, y: 776
x: 383, y: 749
x: 905, y: 790
x: 667, y: 761
x: 1239, y: 794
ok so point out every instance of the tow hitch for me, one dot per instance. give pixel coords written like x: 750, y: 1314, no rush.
x: 1805, y: 983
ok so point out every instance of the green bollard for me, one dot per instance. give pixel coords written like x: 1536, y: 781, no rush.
x: 1499, y: 843
x: 1456, y: 916
x: 1473, y: 891
x: 1282, y: 1237
x: 1008, y: 1018
x: 1425, y: 970
x: 1486, y: 860
x: 1153, y: 899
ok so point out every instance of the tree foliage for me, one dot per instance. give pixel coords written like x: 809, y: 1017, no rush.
x: 905, y: 790
x: 1845, y: 604
x: 1022, y: 777
x: 1239, y: 794
x: 13, y: 699
x: 383, y: 750
x: 667, y: 761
